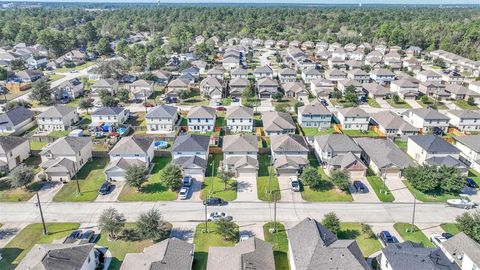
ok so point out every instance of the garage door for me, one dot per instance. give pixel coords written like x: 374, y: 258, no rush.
x: 357, y: 174
x: 194, y: 171
x: 117, y: 176
x: 392, y: 173
x: 287, y: 172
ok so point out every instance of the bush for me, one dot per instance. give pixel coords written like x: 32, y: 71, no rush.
x: 171, y: 176
x: 136, y: 176
x: 331, y: 222
x: 282, y: 107
x: 424, y: 100
x: 469, y: 223
x: 428, y: 178
x: 340, y: 179
x: 311, y: 178
x: 150, y: 225
x: 21, y: 176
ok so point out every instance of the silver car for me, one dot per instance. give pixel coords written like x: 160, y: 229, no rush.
x: 183, y: 194
x: 294, y: 184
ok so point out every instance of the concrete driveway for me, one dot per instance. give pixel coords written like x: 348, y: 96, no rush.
x: 287, y: 194
x: 399, y: 190
x: 471, y: 193
x: 114, y: 193
x: 47, y: 192
x: 378, y: 227
x: 196, y: 188
x: 429, y: 229
x: 383, y: 103
x: 252, y: 229
x: 413, y: 103
x: 369, y: 196
x: 247, y: 189
x: 184, y: 231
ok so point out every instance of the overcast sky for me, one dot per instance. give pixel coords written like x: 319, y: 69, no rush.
x: 274, y: 1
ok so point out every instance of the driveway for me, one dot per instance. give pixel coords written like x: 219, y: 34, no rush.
x: 429, y: 229
x: 472, y: 193
x: 399, y: 190
x: 247, y: 189
x: 113, y: 195
x: 287, y: 194
x: 378, y: 227
x: 47, y: 192
x: 370, y: 196
x: 413, y: 103
x: 265, y: 105
x: 383, y: 103
x: 252, y: 229
x: 8, y: 231
x: 196, y: 188
x: 184, y: 231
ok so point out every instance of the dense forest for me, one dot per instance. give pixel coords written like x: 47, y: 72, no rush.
x: 452, y: 29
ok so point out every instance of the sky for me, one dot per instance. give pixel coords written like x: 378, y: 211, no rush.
x: 274, y: 1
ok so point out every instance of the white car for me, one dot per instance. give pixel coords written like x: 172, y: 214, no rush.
x: 214, y: 216
x: 294, y: 183
x: 183, y: 194
x: 244, y: 236
x: 437, y: 239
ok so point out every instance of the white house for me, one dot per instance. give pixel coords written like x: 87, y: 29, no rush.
x: 57, y: 118
x: 469, y: 147
x: 310, y: 74
x: 429, y: 76
x: 287, y: 75
x: 428, y: 119
x: 240, y: 119
x: 110, y: 116
x: 382, y: 76
x: 463, y: 251
x: 314, y: 115
x: 263, y: 72
x: 201, y: 118
x: 142, y: 89
x: 162, y: 119
x: 240, y: 155
x: 16, y: 121
x: 13, y: 151
x: 353, y: 118
x: 464, y: 120
x: 212, y: 87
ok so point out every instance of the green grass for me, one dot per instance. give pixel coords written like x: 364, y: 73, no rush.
x: 401, y: 105
x: 373, y: 103
x: 279, y: 243
x: 463, y: 104
x: 429, y: 197
x: 431, y: 103
x: 401, y: 144
x: 226, y: 101
x: 79, y: 67
x: 313, y: 131
x: 359, y: 133
x: 474, y: 175
x: 194, y: 101
x: 58, y: 133
x: 450, y: 228
x: 35, y: 145
x: 9, y: 194
x: 228, y: 194
x: 55, y: 77
x: 265, y: 183
x: 120, y: 247
x: 203, y: 241
x: 378, y: 185
x: 416, y: 236
x: 353, y: 230
x: 74, y: 103
x: 90, y: 177
x: 22, y: 243
x: 220, y: 121
x: 153, y: 189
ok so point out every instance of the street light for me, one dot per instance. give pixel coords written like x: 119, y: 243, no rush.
x: 76, y: 179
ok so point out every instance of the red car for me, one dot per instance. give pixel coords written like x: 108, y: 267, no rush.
x: 221, y: 109
x: 148, y: 105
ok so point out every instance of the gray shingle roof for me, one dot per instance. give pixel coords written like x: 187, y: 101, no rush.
x: 288, y: 142
x: 384, y: 153
x: 8, y: 143
x: 460, y: 245
x: 162, y: 111
x: 191, y: 143
x: 15, y: 116
x: 263, y: 69
x: 429, y: 114
x: 353, y: 112
x: 124, y: 163
x: 67, y: 145
x: 337, y: 143
x: 472, y: 141
x: 190, y: 162
x: 239, y: 82
x: 240, y: 143
x: 142, y: 83
x: 288, y: 72
x: 390, y: 120
x: 434, y: 144
x: 314, y: 108
x: 267, y: 82
x: 108, y: 111
x: 131, y: 145
x: 465, y: 114
x: 56, y: 111
x: 239, y: 71
x: 236, y: 112
x: 201, y: 112
x: 277, y: 121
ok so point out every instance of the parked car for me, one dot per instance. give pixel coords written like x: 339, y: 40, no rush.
x: 471, y: 183
x: 235, y: 99
x: 360, y: 187
x: 447, y: 235
x: 214, y: 216
x: 183, y: 194
x: 221, y: 109
x: 105, y: 188
x: 294, y: 184
x: 73, y: 236
x: 462, y: 202
x: 387, y: 238
x: 437, y: 239
x: 244, y: 236
x: 87, y: 235
x: 187, y: 181
x: 214, y: 201
x: 148, y: 105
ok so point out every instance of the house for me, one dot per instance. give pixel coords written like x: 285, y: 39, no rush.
x: 335, y: 75
x: 171, y: 253
x: 201, y: 118
x: 409, y: 255
x: 237, y: 86
x: 375, y: 90
x: 350, y: 47
x: 310, y: 74
x: 322, y: 88
x: 109, y: 85
x: 212, y: 87
x: 28, y: 76
x: 295, y: 90
x: 314, y: 115
x: 287, y: 75
x: 129, y: 151
x: 343, y: 85
x: 16, y: 121
x: 433, y: 89
x: 384, y: 157
x: 266, y: 87
x: 240, y: 155
x: 433, y: 150
x: 162, y: 119
x: 469, y: 147
x: 356, y: 55
x: 70, y: 89
x: 36, y: 62
x: 217, y: 72
x: 358, y: 75
x: 464, y: 120
x: 190, y: 153
x: 382, y: 76
x: 175, y: 87
x: 312, y: 246
x: 77, y: 57
x: 142, y: 89
x: 61, y: 256
x: 392, y: 125
x: 239, y: 73
x: 13, y: 151
x: 231, y: 62
x: 110, y: 116
x: 457, y: 91
x: 252, y: 253
x: 336, y: 63
x: 353, y: 118
x: 413, y: 51
x: 64, y: 158
x: 193, y: 72
x: 162, y: 77
x: 380, y: 48
x: 463, y: 251
x: 58, y: 117
x: 338, y: 151
x: 412, y: 64
x: 263, y: 72
x: 269, y: 44
x: 276, y: 123
x: 289, y: 153
x: 405, y: 88
x: 257, y: 42
x: 428, y: 119
x: 429, y: 76
x: 452, y: 77
x: 240, y: 119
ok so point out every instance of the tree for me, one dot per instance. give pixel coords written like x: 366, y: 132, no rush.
x: 331, y: 222
x: 150, y: 225
x: 469, y: 223
x: 121, y: 47
x: 156, y: 58
x: 16, y: 103
x: 396, y: 98
x: 439, y: 62
x: 136, y: 175
x: 450, y: 179
x: 42, y: 92
x: 367, y: 231
x: 311, y: 177
x: 109, y: 101
x: 340, y: 178
x: 21, y: 176
x: 424, y: 99
x: 184, y: 64
x: 471, y: 101
x: 103, y: 47
x: 225, y: 175
x: 3, y: 74
x: 336, y: 94
x: 171, y: 176
x: 112, y: 222
x: 123, y: 95
x: 85, y: 104
x: 423, y: 178
x: 351, y: 95
x: 227, y: 229
x: 184, y: 94
x: 277, y: 96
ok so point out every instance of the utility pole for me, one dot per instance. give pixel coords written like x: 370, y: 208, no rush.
x: 206, y: 219
x: 76, y: 179
x: 413, y: 214
x: 275, y: 211
x: 39, y: 205
x: 213, y: 170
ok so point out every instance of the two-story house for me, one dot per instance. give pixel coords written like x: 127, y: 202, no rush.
x: 37, y: 61
x: 392, y: 125
x: 310, y: 74
x: 463, y: 251
x: 464, y: 120
x: 358, y: 75
x: 212, y: 87
x: 16, y: 121
x: 58, y: 117
x: 240, y: 155
x: 111, y: 116
x: 129, y: 151
x: 201, y: 118
x: 287, y: 75
x: 70, y: 89
x: 176, y: 86
x: 382, y: 76
x: 190, y: 153
x: 429, y: 76
x: 353, y: 118
x: 469, y: 147
x: 289, y: 153
x: 237, y: 86
x: 239, y: 73
x: 276, y: 123
x: 63, y: 158
x: 405, y: 88
x: 109, y: 85
x: 263, y: 72
x: 13, y: 151
x: 428, y: 119
x: 266, y: 87
x: 162, y: 119
x: 142, y: 89
x: 314, y: 115
x: 322, y: 88
x: 240, y: 119
x: 216, y: 72
x: 335, y: 75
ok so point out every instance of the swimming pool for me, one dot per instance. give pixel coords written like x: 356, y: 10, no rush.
x: 161, y: 144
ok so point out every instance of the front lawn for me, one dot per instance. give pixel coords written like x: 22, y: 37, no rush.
x: 22, y: 243
x: 400, y: 105
x: 153, y: 189
x: 353, y: 230
x: 279, y: 243
x: 429, y: 197
x: 450, y: 228
x: 463, y: 104
x: 10, y: 194
x: 378, y: 185
x: 55, y: 77
x: 77, y: 68
x: 228, y: 194
x: 431, y: 103
x: 90, y: 178
x: 265, y: 182
x: 401, y: 144
x: 373, y: 103
x: 416, y: 236
x: 203, y: 241
x: 313, y: 131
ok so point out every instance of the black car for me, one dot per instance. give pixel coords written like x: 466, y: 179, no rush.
x: 447, y: 235
x: 471, y: 183
x: 360, y: 187
x: 73, y: 236
x: 105, y: 188
x: 87, y: 236
x: 387, y: 238
x: 214, y: 201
